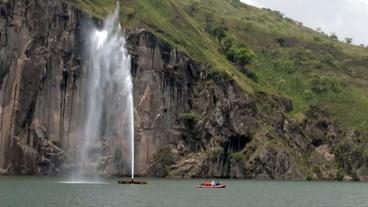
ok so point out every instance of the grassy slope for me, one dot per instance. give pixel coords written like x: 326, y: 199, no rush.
x: 308, y: 59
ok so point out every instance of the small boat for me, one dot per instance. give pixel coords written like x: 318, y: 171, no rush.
x: 210, y: 186
x: 213, y: 184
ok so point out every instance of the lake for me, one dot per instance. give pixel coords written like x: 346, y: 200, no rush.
x: 53, y: 192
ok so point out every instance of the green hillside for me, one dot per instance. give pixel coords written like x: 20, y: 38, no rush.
x: 291, y: 60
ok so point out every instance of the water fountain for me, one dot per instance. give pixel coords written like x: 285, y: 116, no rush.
x: 109, y: 113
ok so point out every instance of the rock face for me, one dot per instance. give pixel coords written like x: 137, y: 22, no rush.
x: 191, y: 121
x: 39, y: 77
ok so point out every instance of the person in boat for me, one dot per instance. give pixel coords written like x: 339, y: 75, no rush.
x: 206, y: 183
x: 211, y: 183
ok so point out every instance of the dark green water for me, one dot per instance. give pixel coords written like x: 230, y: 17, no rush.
x: 49, y: 192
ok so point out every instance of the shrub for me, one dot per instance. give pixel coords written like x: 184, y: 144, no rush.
x: 190, y: 118
x: 242, y: 56
x: 308, y: 94
x: 340, y: 174
x: 217, y: 75
x: 316, y: 170
x: 333, y: 36
x: 215, y: 153
x: 129, y: 12
x: 237, y: 156
x: 309, y: 175
x: 321, y: 83
x: 228, y: 44
x: 219, y: 32
x: 348, y: 40
x: 237, y: 3
x: 317, y: 39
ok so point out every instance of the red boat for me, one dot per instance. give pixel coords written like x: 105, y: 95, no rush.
x: 213, y: 184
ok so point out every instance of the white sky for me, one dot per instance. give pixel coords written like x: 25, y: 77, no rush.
x: 346, y: 18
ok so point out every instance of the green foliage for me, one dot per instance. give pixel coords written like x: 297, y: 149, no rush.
x: 217, y: 75
x: 219, y: 32
x: 316, y: 170
x: 340, y: 174
x: 243, y: 56
x: 237, y: 156
x: 334, y: 37
x: 352, y: 153
x: 317, y: 39
x: 309, y: 175
x: 129, y: 12
x: 322, y: 83
x: 236, y: 3
x: 215, y: 153
x: 348, y: 40
x: 228, y: 44
x: 189, y: 25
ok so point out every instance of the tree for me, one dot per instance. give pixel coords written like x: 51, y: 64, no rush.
x: 348, y: 40
x: 219, y: 33
x: 333, y: 36
x: 243, y: 56
x: 228, y: 44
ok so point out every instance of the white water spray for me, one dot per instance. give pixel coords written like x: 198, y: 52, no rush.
x: 109, y: 115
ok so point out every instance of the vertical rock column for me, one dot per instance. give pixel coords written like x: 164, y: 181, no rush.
x: 39, y: 77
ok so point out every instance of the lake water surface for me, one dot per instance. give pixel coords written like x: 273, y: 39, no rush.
x: 52, y: 192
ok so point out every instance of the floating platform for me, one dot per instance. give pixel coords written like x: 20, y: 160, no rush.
x: 132, y: 182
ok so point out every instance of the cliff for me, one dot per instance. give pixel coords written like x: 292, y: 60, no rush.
x: 191, y: 120
x: 39, y: 82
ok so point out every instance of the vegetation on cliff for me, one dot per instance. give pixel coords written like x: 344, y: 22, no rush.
x: 263, y: 51
x: 291, y: 60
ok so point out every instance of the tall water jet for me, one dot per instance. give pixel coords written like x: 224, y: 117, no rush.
x: 108, y: 129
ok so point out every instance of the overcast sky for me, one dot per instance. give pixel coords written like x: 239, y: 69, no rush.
x: 346, y: 18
